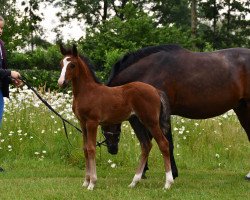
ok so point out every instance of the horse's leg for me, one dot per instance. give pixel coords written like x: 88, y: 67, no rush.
x: 171, y: 151
x: 164, y: 148
x: 91, y: 151
x: 145, y: 149
x: 87, y: 173
x: 243, y: 114
x: 142, y: 134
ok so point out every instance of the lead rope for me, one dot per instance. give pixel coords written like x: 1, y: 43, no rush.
x: 24, y: 80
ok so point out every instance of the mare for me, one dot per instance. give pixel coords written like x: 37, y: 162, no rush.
x: 199, y: 85
x: 96, y: 104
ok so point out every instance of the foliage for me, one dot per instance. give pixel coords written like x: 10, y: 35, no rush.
x: 42, y: 78
x: 32, y: 18
x: 224, y: 23
x: 111, y: 38
x: 171, y: 12
x: 14, y: 30
x: 93, y: 12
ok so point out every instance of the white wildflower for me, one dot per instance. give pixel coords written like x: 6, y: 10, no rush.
x: 113, y: 165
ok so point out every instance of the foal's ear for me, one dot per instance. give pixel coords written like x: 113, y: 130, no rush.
x: 74, y: 50
x: 63, y: 50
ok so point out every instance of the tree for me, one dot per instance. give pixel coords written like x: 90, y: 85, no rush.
x: 109, y: 41
x: 194, y: 20
x: 14, y: 29
x: 171, y: 12
x: 32, y: 18
x: 229, y: 24
x: 93, y: 12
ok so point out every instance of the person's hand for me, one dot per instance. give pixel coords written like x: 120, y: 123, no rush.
x: 15, y: 74
x: 17, y: 82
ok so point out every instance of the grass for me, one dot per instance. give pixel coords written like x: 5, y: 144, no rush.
x: 212, y: 157
x: 57, y: 181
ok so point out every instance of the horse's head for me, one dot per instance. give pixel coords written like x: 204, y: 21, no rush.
x: 112, y: 135
x: 68, y: 64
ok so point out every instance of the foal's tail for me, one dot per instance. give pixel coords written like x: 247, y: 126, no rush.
x: 165, y: 113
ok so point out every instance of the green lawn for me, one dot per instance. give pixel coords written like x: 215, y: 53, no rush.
x: 48, y: 180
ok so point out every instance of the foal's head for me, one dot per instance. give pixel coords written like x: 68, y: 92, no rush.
x: 68, y: 64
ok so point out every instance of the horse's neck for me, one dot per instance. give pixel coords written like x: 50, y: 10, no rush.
x: 84, y: 81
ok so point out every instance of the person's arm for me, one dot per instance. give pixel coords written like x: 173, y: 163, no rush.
x: 4, y: 73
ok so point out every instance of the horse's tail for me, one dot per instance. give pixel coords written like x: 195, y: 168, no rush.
x: 165, y: 113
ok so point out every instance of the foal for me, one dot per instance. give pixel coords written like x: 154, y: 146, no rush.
x: 96, y: 104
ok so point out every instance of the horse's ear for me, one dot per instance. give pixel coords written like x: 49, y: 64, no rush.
x: 74, y: 50
x: 63, y: 50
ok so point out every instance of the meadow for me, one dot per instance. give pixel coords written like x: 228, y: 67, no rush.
x: 212, y: 156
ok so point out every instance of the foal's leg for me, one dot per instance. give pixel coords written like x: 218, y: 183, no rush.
x: 164, y: 148
x: 91, y: 151
x: 87, y: 173
x: 145, y: 149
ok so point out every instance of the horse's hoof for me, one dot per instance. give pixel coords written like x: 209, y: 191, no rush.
x: 144, y: 176
x: 1, y: 169
x: 247, y: 178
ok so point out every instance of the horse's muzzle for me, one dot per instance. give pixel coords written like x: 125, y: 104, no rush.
x: 112, y: 141
x: 113, y: 149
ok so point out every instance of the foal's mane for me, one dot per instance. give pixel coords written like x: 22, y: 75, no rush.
x: 133, y: 57
x: 91, y: 67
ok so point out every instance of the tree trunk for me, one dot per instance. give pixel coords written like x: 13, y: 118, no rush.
x: 105, y: 10
x: 194, y: 20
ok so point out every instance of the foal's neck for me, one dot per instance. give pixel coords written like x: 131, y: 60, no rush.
x: 84, y: 80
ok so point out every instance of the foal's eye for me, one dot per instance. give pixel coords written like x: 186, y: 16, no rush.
x: 71, y: 65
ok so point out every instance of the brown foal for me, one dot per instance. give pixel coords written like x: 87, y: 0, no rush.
x: 96, y: 104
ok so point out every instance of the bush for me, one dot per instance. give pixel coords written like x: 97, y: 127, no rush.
x: 19, y: 61
x: 39, y: 59
x: 42, y: 78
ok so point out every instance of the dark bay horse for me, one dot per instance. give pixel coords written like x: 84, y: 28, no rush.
x: 198, y: 85
x: 96, y: 104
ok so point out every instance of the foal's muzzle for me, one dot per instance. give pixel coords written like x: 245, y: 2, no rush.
x: 64, y: 84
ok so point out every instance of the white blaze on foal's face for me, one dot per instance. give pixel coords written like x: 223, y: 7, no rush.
x: 63, y: 72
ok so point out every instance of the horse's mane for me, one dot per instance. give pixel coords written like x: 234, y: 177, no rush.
x: 133, y: 57
x: 91, y: 68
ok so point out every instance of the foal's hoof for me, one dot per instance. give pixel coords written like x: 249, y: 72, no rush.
x: 132, y: 185
x: 91, y: 186
x: 85, y: 184
x: 167, y: 185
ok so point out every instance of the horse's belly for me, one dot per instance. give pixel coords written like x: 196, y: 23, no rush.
x: 197, y: 113
x: 203, y: 109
